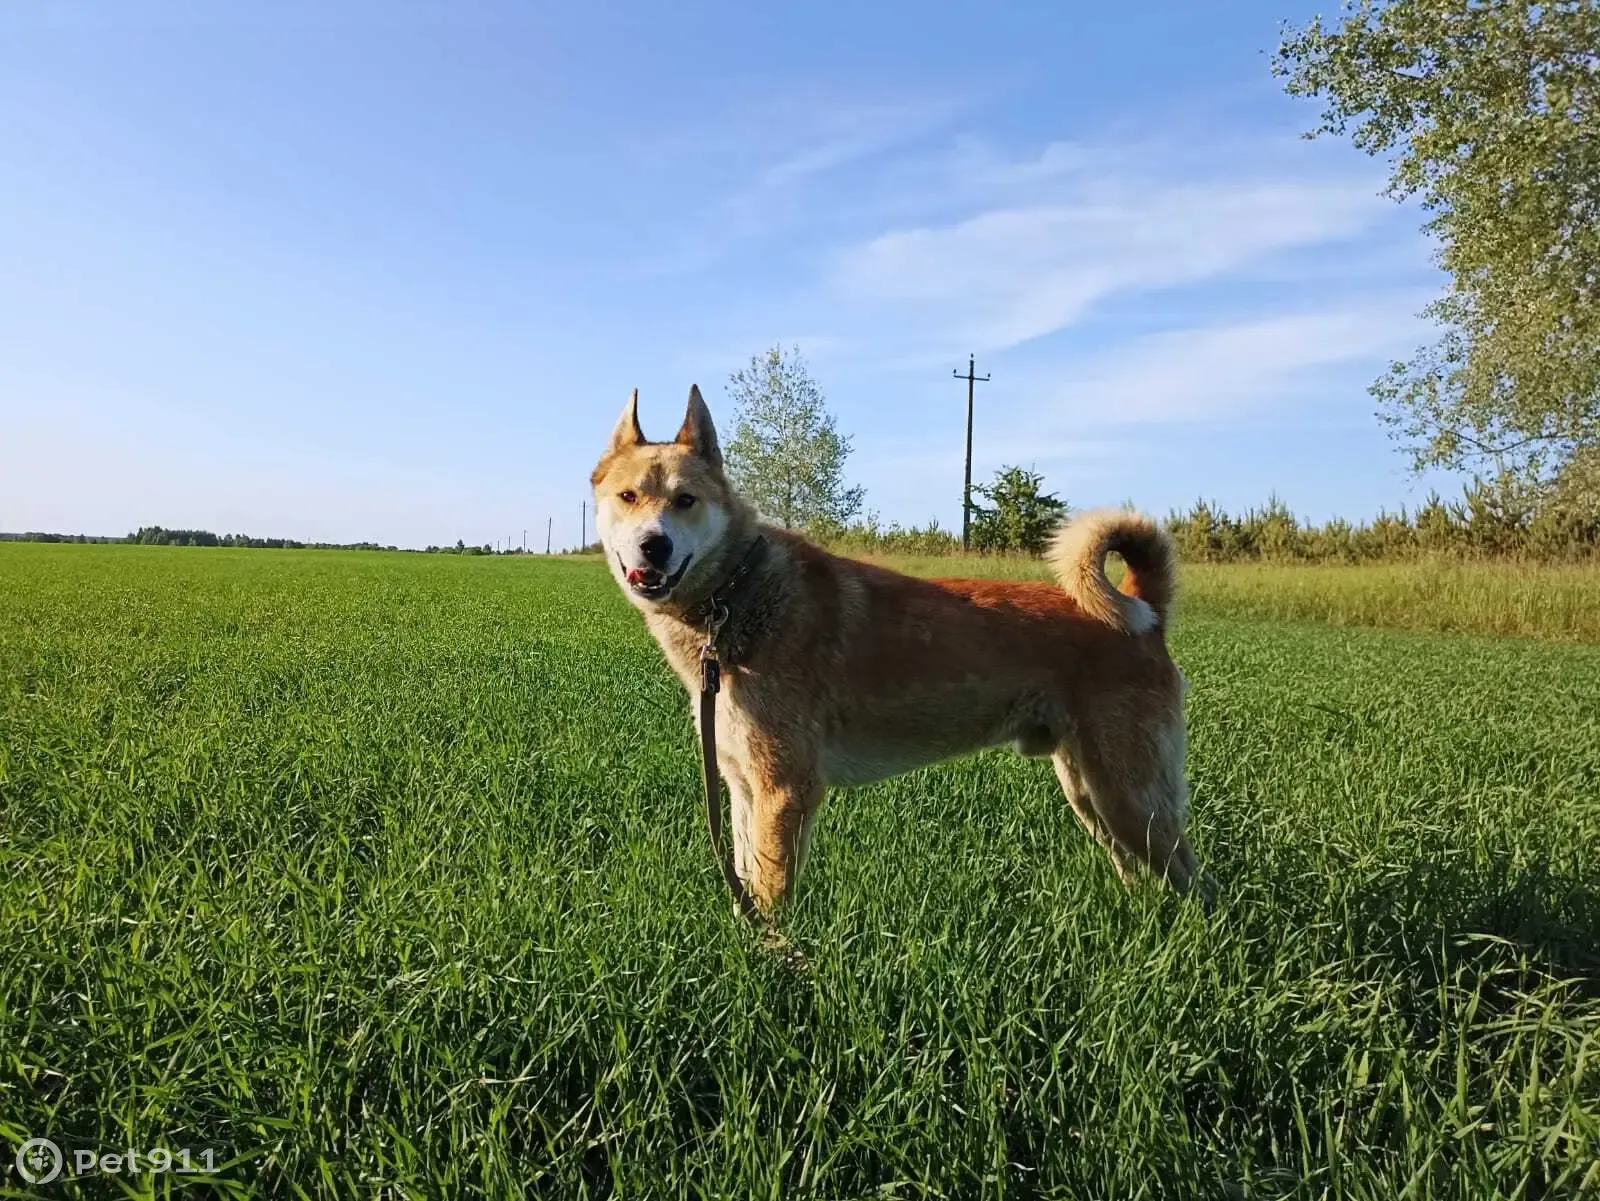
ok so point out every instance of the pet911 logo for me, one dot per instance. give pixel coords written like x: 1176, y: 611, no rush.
x: 41, y: 1160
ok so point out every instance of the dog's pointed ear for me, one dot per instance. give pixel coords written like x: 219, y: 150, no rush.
x: 697, y: 431
x: 628, y: 432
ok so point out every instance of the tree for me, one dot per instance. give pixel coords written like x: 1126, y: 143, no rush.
x: 1021, y: 517
x: 1490, y: 112
x: 785, y: 455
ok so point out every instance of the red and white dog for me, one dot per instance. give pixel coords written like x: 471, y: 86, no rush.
x: 838, y: 673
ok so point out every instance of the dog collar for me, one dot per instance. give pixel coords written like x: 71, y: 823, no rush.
x: 713, y: 611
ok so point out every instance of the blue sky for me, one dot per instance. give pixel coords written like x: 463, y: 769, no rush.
x: 389, y: 270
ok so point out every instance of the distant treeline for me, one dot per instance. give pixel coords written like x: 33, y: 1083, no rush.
x: 870, y: 537
x: 38, y: 536
x: 461, y: 548
x: 155, y: 535
x: 1491, y: 520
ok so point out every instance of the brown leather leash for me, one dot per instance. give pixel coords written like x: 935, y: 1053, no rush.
x: 710, y: 685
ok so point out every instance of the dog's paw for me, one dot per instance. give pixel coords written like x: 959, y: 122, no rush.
x: 777, y: 943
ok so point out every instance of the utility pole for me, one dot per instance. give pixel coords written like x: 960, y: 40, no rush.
x: 549, y: 522
x: 524, y: 541
x: 972, y: 377
x: 583, y: 525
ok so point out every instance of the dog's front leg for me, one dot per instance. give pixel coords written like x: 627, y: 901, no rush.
x: 741, y: 811
x: 782, y: 807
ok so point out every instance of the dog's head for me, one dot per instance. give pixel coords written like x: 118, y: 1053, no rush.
x: 663, y: 509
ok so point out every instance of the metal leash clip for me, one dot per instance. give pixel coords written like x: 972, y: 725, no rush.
x: 710, y: 665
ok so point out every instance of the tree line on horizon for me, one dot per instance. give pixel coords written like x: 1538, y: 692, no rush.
x: 155, y: 535
x: 1492, y: 520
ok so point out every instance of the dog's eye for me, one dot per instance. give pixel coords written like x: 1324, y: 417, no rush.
x: 627, y: 497
x: 684, y: 500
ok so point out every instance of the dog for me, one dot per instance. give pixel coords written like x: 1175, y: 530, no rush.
x: 837, y: 673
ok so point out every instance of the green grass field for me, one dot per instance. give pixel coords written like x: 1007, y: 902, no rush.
x: 386, y: 875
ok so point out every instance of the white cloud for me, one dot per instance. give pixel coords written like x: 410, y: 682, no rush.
x: 1215, y: 372
x: 1009, y: 275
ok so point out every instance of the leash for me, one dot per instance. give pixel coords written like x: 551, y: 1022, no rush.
x: 710, y: 685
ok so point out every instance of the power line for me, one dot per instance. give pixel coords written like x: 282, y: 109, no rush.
x: 972, y: 377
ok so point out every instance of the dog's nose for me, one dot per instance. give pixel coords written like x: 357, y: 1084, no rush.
x: 657, y: 549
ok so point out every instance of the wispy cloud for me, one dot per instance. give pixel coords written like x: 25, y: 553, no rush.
x: 1215, y: 372
x: 842, y: 137
x: 783, y: 162
x: 1009, y: 275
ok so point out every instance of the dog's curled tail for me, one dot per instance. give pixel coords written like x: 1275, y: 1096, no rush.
x: 1078, y: 555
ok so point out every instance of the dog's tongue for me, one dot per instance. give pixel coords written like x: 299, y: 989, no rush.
x: 644, y: 575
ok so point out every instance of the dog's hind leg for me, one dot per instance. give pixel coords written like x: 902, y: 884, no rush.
x: 1137, y: 788
x: 1072, y: 783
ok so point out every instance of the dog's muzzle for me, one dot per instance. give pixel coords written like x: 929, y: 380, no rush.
x: 650, y: 582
